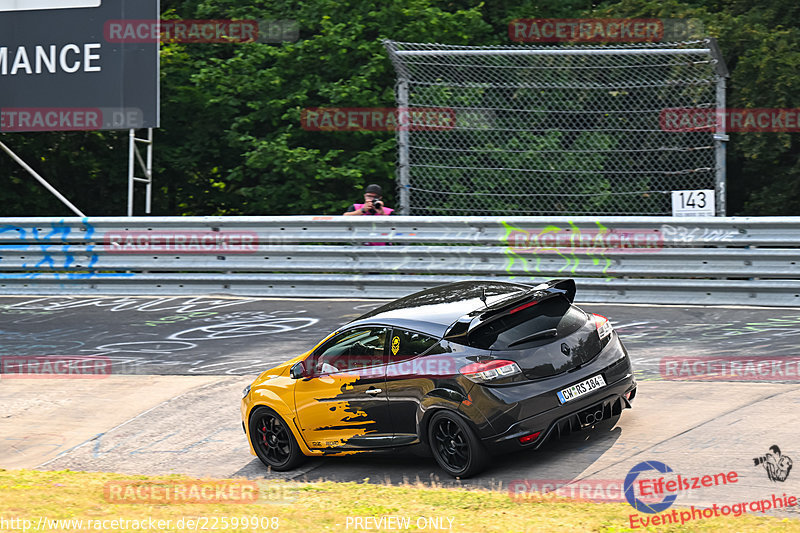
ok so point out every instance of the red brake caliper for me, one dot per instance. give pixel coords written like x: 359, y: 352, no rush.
x: 264, y: 438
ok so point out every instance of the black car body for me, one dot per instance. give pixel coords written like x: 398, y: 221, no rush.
x: 469, y: 369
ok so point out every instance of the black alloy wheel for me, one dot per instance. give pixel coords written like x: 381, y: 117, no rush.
x: 273, y: 440
x: 455, y: 446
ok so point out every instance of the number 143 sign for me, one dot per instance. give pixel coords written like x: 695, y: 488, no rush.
x: 693, y: 203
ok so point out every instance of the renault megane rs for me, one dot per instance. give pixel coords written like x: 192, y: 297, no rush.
x: 468, y: 369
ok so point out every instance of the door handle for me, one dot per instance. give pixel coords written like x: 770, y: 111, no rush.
x: 373, y: 392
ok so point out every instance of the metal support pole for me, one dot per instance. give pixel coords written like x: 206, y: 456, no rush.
x: 131, y: 156
x: 720, y: 137
x: 403, y: 180
x: 146, y: 165
x: 149, y: 171
x: 41, y: 180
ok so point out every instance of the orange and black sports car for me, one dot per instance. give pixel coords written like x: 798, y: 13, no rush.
x: 468, y: 369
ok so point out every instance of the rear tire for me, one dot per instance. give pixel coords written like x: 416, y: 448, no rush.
x: 273, y: 441
x: 455, y: 446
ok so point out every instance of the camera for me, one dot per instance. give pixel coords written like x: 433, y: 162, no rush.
x: 376, y: 204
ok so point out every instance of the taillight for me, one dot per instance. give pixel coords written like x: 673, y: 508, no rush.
x: 604, y: 328
x: 490, y: 370
x: 525, y: 439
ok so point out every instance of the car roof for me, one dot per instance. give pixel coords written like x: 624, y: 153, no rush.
x: 432, y: 311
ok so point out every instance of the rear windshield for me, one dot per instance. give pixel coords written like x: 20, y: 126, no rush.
x: 556, y: 312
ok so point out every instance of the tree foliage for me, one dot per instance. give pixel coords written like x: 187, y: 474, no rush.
x: 231, y: 141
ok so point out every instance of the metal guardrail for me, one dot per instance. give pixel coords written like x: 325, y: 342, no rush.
x: 748, y: 261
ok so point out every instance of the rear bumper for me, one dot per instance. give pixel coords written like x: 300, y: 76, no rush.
x: 567, y: 418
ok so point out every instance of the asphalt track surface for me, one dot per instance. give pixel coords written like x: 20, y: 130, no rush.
x: 243, y: 336
x: 179, y: 364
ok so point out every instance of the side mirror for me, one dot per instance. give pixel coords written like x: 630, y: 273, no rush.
x: 297, y: 371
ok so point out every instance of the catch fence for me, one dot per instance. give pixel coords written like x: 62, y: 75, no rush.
x: 557, y: 130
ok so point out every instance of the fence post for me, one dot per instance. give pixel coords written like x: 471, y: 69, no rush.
x: 402, y: 153
x: 721, y: 134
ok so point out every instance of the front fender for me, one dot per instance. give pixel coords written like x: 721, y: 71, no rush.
x: 277, y: 393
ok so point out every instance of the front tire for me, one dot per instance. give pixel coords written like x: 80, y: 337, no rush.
x: 455, y: 446
x: 273, y: 441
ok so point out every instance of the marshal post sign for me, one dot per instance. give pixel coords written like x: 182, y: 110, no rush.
x: 59, y: 73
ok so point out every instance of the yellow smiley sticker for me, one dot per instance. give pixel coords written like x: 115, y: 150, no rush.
x: 395, y: 345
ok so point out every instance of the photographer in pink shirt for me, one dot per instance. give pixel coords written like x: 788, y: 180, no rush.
x: 373, y: 203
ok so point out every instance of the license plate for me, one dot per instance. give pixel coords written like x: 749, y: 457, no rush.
x: 579, y: 389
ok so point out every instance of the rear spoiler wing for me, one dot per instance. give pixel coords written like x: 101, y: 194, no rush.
x: 460, y: 330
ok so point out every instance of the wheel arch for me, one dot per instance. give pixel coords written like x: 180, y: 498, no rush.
x: 454, y: 400
x: 429, y: 413
x: 282, y: 410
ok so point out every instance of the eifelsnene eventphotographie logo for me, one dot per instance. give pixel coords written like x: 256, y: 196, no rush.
x: 652, y: 487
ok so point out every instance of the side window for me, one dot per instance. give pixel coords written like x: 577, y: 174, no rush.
x: 408, y: 344
x: 351, y: 350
